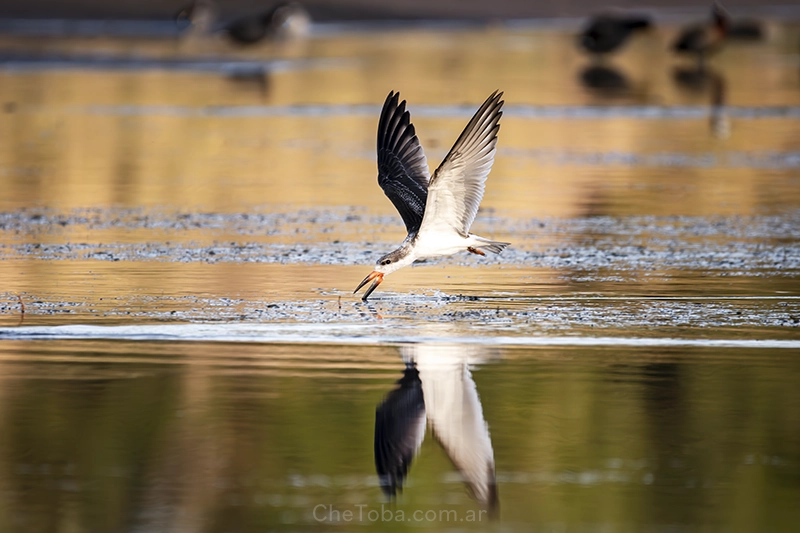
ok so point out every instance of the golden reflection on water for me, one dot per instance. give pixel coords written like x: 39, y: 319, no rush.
x: 431, y: 66
x: 63, y: 150
x: 105, y: 436
x: 194, y: 435
x: 158, y: 140
x: 58, y: 159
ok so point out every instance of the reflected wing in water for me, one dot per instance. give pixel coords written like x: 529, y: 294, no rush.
x: 399, y: 431
x: 455, y: 415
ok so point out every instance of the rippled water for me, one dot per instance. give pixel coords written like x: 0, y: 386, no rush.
x: 182, y: 225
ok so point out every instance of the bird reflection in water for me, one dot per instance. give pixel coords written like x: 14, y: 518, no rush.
x: 605, y: 80
x: 248, y: 77
x: 719, y: 121
x: 707, y: 81
x: 436, y: 391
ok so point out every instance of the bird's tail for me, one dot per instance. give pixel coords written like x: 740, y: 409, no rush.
x: 487, y: 245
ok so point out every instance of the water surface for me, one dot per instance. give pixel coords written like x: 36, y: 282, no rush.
x: 182, y: 223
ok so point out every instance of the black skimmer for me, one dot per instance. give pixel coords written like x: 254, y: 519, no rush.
x: 607, y: 32
x: 436, y: 391
x: 437, y: 211
x: 704, y: 39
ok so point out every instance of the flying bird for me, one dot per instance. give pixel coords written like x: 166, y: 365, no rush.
x: 437, y: 211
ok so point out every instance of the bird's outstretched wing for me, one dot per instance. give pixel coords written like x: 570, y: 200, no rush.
x: 455, y: 415
x: 402, y: 168
x: 457, y: 186
x: 399, y: 431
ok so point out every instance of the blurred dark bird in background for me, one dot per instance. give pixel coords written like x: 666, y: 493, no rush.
x: 285, y: 21
x: 606, y: 32
x: 200, y: 16
x: 704, y: 39
x: 745, y: 29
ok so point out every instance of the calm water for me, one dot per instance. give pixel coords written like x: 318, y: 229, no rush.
x: 182, y: 224
x: 145, y: 436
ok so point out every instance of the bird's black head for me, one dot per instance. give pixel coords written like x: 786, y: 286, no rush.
x: 393, y: 261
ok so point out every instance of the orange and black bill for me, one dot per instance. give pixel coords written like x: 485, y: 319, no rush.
x: 376, y: 278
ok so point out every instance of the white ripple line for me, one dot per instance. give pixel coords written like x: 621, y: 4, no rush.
x: 350, y: 335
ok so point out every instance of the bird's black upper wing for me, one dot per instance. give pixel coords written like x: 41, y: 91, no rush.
x: 399, y: 430
x: 402, y: 168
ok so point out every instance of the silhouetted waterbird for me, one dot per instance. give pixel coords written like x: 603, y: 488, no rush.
x: 701, y: 40
x: 606, y: 32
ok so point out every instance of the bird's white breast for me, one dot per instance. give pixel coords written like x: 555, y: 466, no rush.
x: 439, y: 243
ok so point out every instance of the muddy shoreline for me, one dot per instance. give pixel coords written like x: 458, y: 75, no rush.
x: 726, y: 245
